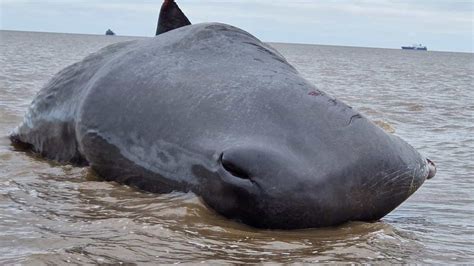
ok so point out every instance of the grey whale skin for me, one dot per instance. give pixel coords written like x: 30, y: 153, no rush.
x: 211, y: 109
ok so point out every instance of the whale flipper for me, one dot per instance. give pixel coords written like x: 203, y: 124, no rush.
x: 171, y: 17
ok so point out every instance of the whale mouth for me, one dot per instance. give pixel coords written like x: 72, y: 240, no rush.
x: 432, y: 169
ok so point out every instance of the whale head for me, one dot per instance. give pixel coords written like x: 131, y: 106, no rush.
x: 309, y: 176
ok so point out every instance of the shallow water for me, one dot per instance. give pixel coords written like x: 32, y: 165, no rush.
x: 51, y: 213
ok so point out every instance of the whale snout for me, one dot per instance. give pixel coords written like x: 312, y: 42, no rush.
x: 431, y: 168
x: 275, y: 188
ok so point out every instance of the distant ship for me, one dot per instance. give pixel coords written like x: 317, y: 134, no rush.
x: 418, y: 47
x: 109, y: 32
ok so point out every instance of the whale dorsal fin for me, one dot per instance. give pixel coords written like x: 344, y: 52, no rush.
x: 171, y: 17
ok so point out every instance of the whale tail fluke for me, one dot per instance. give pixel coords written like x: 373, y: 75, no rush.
x: 171, y: 17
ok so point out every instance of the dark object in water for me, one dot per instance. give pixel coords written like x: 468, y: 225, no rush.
x: 417, y: 47
x: 109, y: 32
x: 211, y: 109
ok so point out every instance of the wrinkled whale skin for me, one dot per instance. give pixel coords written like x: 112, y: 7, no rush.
x: 211, y: 109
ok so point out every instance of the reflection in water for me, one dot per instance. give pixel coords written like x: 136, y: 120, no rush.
x: 55, y: 214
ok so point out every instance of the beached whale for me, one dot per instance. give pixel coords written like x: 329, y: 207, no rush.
x: 211, y: 109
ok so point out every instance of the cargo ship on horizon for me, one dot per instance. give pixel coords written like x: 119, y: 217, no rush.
x: 417, y: 47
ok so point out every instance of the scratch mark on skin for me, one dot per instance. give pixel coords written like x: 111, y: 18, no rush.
x: 314, y: 93
x: 353, y: 118
x: 333, y: 101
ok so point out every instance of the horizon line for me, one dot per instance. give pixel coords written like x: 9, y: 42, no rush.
x: 276, y: 42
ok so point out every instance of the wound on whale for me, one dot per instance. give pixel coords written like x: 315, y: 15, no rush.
x: 211, y: 109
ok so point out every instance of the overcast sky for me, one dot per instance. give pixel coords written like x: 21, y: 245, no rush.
x: 443, y: 25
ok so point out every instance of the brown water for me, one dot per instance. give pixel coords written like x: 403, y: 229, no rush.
x: 51, y: 213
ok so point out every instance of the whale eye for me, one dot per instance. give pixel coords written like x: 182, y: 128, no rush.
x: 233, y: 168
